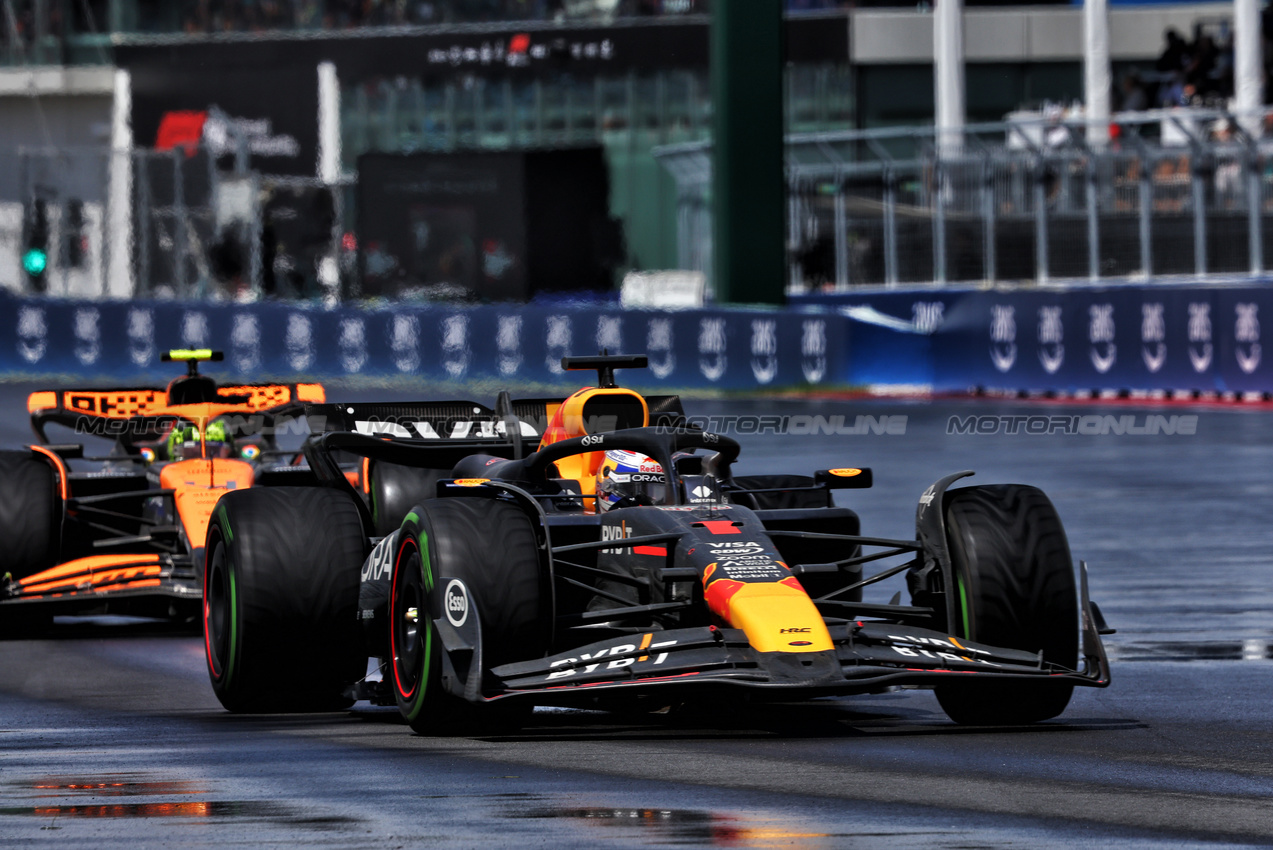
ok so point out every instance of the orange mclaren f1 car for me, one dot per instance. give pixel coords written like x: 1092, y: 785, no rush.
x: 123, y: 532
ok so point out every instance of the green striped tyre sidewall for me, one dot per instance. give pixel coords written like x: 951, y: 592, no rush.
x: 414, y: 653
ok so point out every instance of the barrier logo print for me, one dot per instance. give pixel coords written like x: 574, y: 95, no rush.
x: 610, y: 334
x: 194, y: 329
x: 353, y: 345
x: 558, y: 342
x: 1246, y: 336
x: 1051, y: 339
x: 711, y: 348
x: 88, y: 335
x: 404, y: 342
x: 764, y: 349
x: 927, y: 316
x: 455, y: 345
x: 299, y: 341
x: 508, y: 344
x: 1100, y: 332
x: 245, y: 342
x: 1200, y: 349
x: 141, y: 337
x: 813, y: 350
x: 658, y: 345
x: 1003, y: 336
x: 33, y: 334
x: 1153, y: 333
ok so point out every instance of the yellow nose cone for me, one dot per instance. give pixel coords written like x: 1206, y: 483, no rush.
x: 778, y: 618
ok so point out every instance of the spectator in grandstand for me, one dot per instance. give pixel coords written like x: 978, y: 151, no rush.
x: 1228, y: 166
x: 1201, y: 66
x: 1175, y: 54
x: 1134, y: 96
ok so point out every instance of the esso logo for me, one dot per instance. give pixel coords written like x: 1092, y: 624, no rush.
x: 456, y: 603
x: 709, y: 437
x: 593, y: 440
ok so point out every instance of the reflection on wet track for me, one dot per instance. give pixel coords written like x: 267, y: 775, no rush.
x: 110, y: 735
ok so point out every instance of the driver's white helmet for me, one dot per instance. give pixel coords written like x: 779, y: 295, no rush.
x: 629, y: 475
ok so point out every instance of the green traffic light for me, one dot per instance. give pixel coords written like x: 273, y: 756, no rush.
x: 35, y: 261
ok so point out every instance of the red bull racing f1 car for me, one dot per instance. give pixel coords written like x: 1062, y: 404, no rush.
x: 595, y: 551
x: 125, y: 535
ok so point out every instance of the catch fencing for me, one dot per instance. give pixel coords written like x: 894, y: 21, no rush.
x: 1184, y: 192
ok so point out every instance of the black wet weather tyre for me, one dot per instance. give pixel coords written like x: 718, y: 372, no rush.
x: 394, y: 489
x: 280, y: 596
x: 1016, y: 590
x: 492, y: 547
x: 30, y: 514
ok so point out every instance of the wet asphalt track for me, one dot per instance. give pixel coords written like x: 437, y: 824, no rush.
x: 109, y: 732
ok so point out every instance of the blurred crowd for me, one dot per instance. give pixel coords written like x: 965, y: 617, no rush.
x: 1192, y: 72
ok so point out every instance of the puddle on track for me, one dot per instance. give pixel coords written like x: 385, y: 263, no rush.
x: 78, y: 797
x: 688, y: 826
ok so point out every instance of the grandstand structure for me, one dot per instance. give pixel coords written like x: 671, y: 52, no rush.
x: 213, y: 148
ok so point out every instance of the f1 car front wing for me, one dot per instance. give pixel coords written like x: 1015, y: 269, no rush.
x: 868, y: 656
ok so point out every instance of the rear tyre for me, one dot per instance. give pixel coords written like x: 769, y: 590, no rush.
x: 395, y: 488
x: 30, y: 514
x: 491, y: 547
x: 1015, y: 590
x: 280, y: 599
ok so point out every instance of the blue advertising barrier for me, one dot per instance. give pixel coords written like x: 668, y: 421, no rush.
x: 1169, y: 337
x: 514, y: 345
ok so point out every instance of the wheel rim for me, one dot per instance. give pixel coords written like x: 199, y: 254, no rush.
x: 217, y: 617
x: 408, y: 637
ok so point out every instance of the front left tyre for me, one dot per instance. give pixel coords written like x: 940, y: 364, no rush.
x: 1014, y: 588
x: 280, y: 599
x: 492, y: 547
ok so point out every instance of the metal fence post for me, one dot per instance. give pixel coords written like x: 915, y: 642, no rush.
x: 256, y: 260
x: 890, y: 226
x: 1146, y: 201
x: 939, y: 222
x: 794, y: 238
x: 144, y: 211
x: 988, y: 218
x: 1093, y: 222
x: 841, y: 235
x: 1040, y: 222
x: 1199, y: 191
x: 179, y: 242
x: 1255, y: 229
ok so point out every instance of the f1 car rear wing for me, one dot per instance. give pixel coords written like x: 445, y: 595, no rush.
x: 100, y: 412
x: 460, y: 420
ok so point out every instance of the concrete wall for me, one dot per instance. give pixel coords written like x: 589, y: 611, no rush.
x: 1020, y: 34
